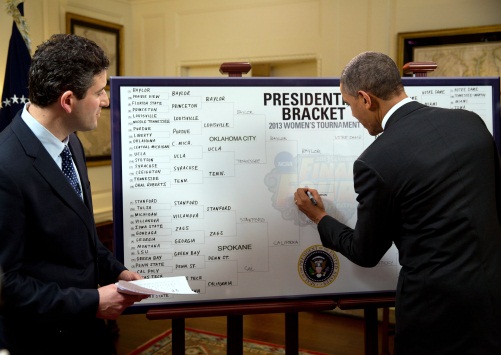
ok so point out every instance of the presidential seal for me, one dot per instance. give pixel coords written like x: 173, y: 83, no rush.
x: 318, y: 266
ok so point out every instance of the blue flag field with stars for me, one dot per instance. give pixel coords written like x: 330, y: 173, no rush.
x: 15, y: 88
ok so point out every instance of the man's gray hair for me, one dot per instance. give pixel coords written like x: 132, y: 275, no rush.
x: 374, y: 73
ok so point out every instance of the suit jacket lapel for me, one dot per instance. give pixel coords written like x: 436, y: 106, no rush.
x: 79, y: 159
x: 45, y: 165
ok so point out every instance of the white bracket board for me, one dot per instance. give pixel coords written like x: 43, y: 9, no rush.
x: 204, y: 172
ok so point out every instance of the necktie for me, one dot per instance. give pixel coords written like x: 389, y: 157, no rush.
x: 69, y: 170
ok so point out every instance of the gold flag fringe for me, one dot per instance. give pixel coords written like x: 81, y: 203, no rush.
x: 11, y: 8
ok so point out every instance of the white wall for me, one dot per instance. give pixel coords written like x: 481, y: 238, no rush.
x: 170, y: 35
x: 164, y: 37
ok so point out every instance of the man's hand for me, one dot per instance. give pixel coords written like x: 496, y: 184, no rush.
x: 305, y: 205
x: 112, y: 303
x: 127, y: 275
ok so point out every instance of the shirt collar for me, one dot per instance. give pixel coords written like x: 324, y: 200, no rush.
x: 393, y: 109
x: 50, y: 142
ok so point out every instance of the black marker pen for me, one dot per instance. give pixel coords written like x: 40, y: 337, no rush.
x: 311, y: 198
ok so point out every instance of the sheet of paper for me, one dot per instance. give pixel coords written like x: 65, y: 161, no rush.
x: 156, y: 286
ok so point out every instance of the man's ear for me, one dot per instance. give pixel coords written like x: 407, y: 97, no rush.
x: 365, y: 97
x: 67, y: 100
x: 370, y: 101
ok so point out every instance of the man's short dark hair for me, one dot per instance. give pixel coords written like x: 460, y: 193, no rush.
x: 64, y: 62
x: 374, y: 73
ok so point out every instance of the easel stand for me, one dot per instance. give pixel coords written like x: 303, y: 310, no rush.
x: 419, y: 69
x: 370, y: 306
x: 234, y: 313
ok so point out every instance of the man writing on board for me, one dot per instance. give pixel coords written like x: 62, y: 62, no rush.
x: 58, y: 278
x: 431, y: 184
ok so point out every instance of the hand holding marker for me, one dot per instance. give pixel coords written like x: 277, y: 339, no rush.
x: 311, y: 197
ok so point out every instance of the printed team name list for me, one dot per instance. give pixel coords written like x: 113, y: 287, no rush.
x: 157, y: 151
x: 472, y: 98
x: 168, y: 154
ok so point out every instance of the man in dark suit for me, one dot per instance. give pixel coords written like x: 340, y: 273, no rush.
x: 430, y: 183
x: 59, y: 279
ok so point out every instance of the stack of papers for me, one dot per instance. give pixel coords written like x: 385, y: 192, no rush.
x: 157, y: 286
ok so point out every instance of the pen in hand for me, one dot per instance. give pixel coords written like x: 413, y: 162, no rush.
x: 311, y: 198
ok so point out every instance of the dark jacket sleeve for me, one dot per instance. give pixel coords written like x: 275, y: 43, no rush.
x: 372, y: 237
x: 23, y: 291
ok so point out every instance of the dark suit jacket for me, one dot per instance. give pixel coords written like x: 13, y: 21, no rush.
x: 51, y: 256
x: 431, y: 184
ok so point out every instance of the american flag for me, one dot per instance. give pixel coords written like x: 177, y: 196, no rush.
x: 15, y: 87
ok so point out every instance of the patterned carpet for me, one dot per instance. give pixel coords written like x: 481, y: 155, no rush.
x: 199, y: 342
